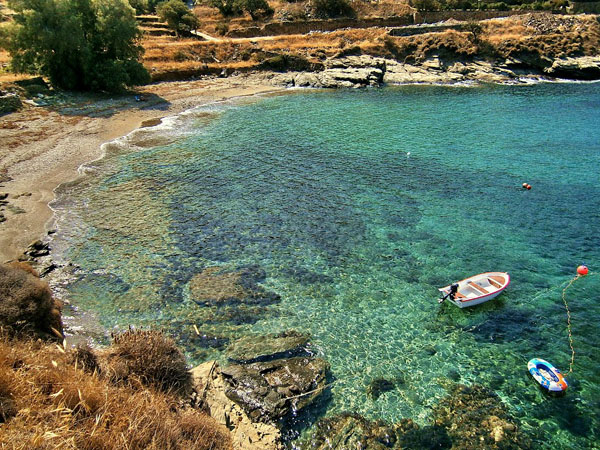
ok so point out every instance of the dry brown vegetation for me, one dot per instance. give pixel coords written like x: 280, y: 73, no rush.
x: 544, y: 35
x: 146, y: 357
x: 48, y: 401
x: 528, y: 36
x: 451, y: 44
x: 26, y: 303
x: 131, y: 395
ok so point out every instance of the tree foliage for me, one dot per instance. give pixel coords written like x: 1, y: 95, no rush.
x: 332, y: 8
x: 178, y: 16
x: 256, y: 8
x: 78, y: 44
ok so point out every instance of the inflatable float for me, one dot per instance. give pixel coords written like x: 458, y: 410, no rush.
x: 547, y: 375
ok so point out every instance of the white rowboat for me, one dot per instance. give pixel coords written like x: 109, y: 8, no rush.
x: 478, y: 288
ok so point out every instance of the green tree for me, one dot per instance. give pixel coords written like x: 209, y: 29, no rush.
x: 227, y: 8
x: 140, y: 6
x: 256, y: 8
x: 426, y: 5
x: 332, y: 8
x: 78, y: 44
x: 178, y: 16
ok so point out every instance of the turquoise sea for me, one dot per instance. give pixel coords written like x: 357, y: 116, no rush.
x: 358, y: 205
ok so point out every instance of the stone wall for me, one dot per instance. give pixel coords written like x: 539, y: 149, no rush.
x: 440, y: 16
x: 303, y: 27
x: 422, y: 29
x: 279, y: 28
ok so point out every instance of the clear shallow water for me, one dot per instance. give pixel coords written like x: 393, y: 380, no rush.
x: 358, y: 205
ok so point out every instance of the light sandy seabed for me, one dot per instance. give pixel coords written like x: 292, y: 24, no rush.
x: 41, y: 148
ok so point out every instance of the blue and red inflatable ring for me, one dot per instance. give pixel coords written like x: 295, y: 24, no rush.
x: 547, y: 375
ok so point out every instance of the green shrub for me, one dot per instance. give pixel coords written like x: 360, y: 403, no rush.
x: 140, y: 6
x: 256, y: 8
x: 222, y: 28
x: 227, y: 8
x: 181, y: 55
x: 147, y: 357
x: 77, y: 44
x: 26, y: 303
x: 427, y: 5
x: 178, y: 16
x: 332, y: 8
x: 457, y: 4
x: 556, y: 5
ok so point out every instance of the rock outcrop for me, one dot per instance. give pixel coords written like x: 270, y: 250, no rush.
x: 210, y: 389
x: 344, y: 72
x: 273, y: 378
x: 3, y: 203
x: 582, y: 68
x: 362, y: 71
x: 270, y: 391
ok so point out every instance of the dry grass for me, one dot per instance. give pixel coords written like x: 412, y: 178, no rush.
x: 551, y: 36
x: 145, y: 357
x: 46, y: 401
x: 449, y: 44
x: 26, y: 303
x: 382, y: 8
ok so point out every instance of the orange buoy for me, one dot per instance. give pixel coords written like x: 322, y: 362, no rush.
x: 582, y: 270
x: 528, y: 187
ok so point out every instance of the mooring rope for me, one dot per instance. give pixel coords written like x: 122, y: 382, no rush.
x: 569, y: 322
x: 577, y: 277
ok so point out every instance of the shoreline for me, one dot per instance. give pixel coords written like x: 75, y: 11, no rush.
x: 56, y: 145
x: 47, y: 147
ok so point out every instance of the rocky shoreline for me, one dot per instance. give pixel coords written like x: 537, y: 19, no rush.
x: 364, y: 70
x: 269, y: 379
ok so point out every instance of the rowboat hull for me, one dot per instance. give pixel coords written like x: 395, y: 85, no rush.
x: 478, y: 289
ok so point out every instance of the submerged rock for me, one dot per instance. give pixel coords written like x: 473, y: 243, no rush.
x: 352, y: 431
x: 270, y: 391
x: 475, y: 417
x: 216, y: 286
x: 379, y: 386
x: 251, y: 349
x: 427, y: 437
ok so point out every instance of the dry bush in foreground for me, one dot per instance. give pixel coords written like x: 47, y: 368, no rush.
x: 45, y: 402
x: 26, y: 303
x: 147, y: 357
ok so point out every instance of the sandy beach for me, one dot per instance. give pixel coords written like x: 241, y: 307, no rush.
x: 43, y: 146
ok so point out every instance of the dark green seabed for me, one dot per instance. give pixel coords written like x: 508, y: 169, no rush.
x: 339, y: 214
